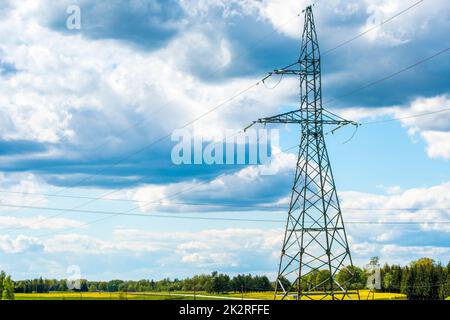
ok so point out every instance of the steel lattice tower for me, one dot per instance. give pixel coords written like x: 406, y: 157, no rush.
x: 315, y: 243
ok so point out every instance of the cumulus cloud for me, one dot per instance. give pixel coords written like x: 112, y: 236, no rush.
x: 211, y: 247
x: 19, y: 245
x: 434, y: 129
x: 246, y: 187
x: 228, y: 250
x: 397, y: 254
x: 77, y: 94
x: 420, y: 216
x: 427, y: 118
x: 20, y: 189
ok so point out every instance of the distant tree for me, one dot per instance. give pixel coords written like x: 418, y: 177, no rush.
x: 262, y: 283
x: 238, y: 283
x: 113, y: 285
x: 387, y: 284
x: 309, y: 281
x: 63, y: 285
x: 352, y: 277
x: 446, y: 289
x: 103, y: 286
x: 425, y: 262
x: 408, y: 281
x: 283, y: 284
x: 84, y: 285
x: 438, y: 278
x: 424, y: 280
x: 219, y: 283
x: 40, y: 285
x: 2, y: 280
x: 8, y: 289
x: 323, y: 281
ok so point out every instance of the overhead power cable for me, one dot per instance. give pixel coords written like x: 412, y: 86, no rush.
x: 347, y: 94
x: 372, y: 28
x: 211, y: 111
x: 158, y: 203
x: 257, y: 83
x: 263, y: 38
x: 390, y: 76
x: 152, y: 114
x: 126, y: 213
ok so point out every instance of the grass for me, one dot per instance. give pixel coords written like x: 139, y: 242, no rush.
x: 364, y: 295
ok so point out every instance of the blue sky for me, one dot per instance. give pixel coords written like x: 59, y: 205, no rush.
x: 80, y: 111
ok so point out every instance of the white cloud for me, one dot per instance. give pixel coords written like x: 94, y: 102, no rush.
x: 390, y: 189
x: 89, y: 245
x: 18, y: 189
x: 434, y: 128
x: 438, y: 144
x: 397, y: 254
x: 75, y: 89
x: 425, y: 206
x: 38, y: 222
x: 407, y: 26
x: 212, y: 248
x: 20, y: 244
x: 424, y: 117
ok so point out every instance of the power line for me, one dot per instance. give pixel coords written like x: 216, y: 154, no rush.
x: 392, y: 75
x: 407, y: 117
x: 158, y: 203
x: 115, y: 191
x: 256, y: 84
x: 219, y: 106
x: 78, y: 182
x: 184, y: 217
x: 76, y: 208
x: 263, y: 38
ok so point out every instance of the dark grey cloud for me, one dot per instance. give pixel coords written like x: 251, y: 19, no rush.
x: 103, y: 167
x: 258, y: 48
x: 147, y: 24
x: 16, y: 147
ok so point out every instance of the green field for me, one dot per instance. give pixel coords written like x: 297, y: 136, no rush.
x: 177, y: 296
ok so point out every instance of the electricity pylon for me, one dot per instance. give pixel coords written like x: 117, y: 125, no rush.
x: 315, y: 247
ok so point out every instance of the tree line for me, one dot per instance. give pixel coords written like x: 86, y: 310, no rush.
x: 213, y: 283
x: 421, y: 279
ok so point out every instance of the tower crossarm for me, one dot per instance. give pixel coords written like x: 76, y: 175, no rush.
x: 295, y: 116
x: 290, y: 70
